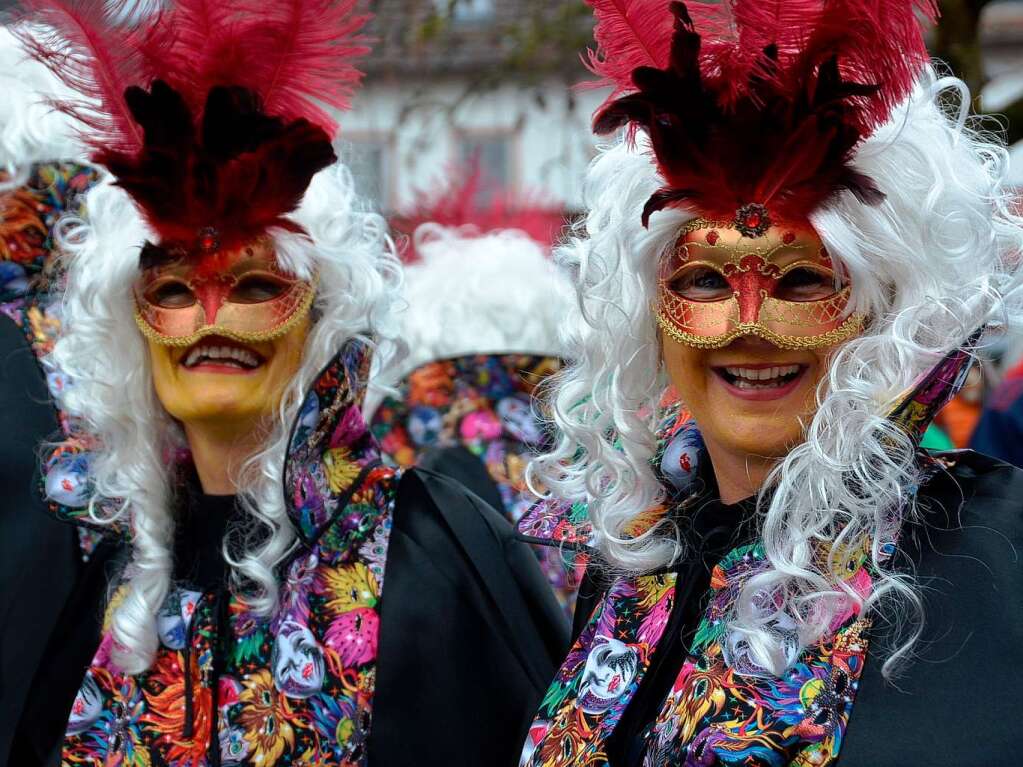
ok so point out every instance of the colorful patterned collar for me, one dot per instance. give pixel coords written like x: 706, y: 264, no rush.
x: 330, y: 453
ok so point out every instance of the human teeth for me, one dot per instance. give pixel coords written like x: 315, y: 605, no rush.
x: 761, y: 374
x: 242, y: 356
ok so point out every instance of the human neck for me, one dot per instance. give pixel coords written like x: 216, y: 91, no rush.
x: 219, y: 451
x: 738, y: 475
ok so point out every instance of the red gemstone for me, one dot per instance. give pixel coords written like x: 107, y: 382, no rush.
x: 789, y: 238
x: 712, y: 237
x: 753, y: 220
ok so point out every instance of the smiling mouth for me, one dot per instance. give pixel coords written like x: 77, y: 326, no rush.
x: 760, y: 378
x: 220, y: 353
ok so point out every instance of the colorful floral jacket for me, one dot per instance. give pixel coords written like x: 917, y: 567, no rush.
x: 484, y: 404
x: 722, y: 708
x: 231, y: 688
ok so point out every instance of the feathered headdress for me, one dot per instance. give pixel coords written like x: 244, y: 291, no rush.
x: 212, y: 114
x: 754, y: 107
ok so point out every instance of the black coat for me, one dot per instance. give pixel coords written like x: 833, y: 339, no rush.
x: 470, y: 635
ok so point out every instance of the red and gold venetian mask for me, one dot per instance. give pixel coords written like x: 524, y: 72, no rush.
x: 241, y: 294
x: 778, y: 283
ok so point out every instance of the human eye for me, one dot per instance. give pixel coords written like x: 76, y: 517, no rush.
x: 700, y: 283
x: 257, y: 288
x: 805, y: 283
x: 170, y: 294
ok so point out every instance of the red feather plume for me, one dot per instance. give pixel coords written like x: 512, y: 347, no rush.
x: 764, y: 101
x: 94, y: 58
x: 213, y: 114
x: 629, y: 34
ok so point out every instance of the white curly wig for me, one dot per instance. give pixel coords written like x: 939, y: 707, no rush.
x: 31, y: 131
x: 480, y: 293
x: 934, y: 262
x: 103, y: 353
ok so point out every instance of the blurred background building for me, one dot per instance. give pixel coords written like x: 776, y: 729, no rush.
x: 450, y: 80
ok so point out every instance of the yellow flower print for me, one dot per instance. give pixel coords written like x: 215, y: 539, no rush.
x: 264, y: 718
x: 349, y: 587
x: 341, y: 471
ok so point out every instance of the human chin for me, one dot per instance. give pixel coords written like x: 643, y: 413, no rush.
x: 221, y: 381
x: 760, y: 395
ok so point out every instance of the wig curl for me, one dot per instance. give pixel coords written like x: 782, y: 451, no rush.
x: 112, y: 394
x: 473, y: 293
x: 31, y: 131
x: 933, y: 262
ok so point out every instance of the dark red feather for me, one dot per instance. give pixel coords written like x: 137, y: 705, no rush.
x: 213, y: 114
x: 765, y: 101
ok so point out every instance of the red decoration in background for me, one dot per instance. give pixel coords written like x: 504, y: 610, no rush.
x: 466, y: 198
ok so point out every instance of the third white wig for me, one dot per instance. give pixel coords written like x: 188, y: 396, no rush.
x: 934, y: 262
x: 472, y: 293
x: 31, y: 130
x: 112, y: 392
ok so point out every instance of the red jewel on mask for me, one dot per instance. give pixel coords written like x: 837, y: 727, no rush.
x: 789, y: 238
x: 752, y: 220
x: 712, y: 237
x: 208, y: 240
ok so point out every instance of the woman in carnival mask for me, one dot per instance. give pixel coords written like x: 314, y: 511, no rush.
x: 225, y: 295
x: 804, y: 241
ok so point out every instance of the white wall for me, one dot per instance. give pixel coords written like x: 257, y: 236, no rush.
x: 420, y: 126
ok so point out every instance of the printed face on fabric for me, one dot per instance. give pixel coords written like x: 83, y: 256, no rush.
x: 749, y: 318
x: 30, y: 276
x: 294, y: 689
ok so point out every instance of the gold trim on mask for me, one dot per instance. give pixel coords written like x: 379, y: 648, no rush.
x: 300, y: 312
x: 852, y: 327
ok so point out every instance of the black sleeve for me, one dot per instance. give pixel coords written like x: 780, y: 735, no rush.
x: 955, y: 702
x: 470, y: 633
x: 38, y: 554
x: 465, y: 468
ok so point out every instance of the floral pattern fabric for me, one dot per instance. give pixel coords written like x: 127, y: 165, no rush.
x: 231, y: 688
x: 483, y: 403
x: 29, y: 271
